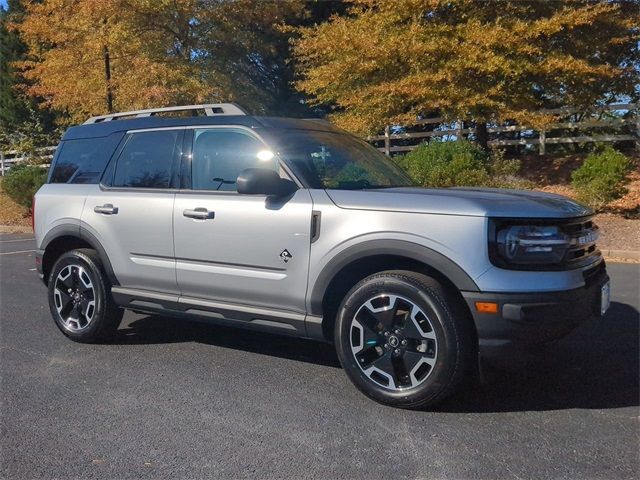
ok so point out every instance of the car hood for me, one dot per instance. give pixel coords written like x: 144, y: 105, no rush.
x: 481, y: 202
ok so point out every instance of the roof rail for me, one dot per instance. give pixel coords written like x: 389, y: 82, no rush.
x: 210, y: 109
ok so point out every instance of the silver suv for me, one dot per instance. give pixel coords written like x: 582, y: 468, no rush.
x: 295, y: 227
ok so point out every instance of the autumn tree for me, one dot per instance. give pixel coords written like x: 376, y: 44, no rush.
x: 392, y: 62
x: 88, y: 57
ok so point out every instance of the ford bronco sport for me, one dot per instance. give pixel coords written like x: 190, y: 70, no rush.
x: 295, y: 227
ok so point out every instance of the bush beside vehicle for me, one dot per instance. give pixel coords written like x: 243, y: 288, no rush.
x: 461, y: 164
x: 598, y: 181
x: 602, y: 177
x: 22, y: 182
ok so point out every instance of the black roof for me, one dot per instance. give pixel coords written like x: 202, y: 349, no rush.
x: 103, y: 129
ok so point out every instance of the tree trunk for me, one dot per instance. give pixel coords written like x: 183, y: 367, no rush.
x: 482, y: 135
x: 107, y: 76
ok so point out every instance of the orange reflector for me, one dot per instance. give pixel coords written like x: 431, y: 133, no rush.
x: 487, y: 307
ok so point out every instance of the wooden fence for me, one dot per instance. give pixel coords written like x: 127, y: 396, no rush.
x: 609, y: 127
x: 7, y: 159
x: 609, y: 124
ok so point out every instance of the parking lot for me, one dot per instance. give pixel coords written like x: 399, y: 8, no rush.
x: 175, y: 399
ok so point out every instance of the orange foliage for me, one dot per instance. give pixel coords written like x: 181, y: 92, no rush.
x: 67, y: 41
x: 389, y: 62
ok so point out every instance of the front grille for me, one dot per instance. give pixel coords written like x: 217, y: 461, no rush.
x: 584, y: 234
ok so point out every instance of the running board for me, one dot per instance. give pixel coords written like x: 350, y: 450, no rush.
x: 256, y: 318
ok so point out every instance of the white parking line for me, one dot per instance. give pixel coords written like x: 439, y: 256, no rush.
x: 21, y: 240
x: 20, y: 251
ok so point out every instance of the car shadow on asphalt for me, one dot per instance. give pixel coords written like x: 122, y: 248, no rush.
x: 595, y: 367
x: 157, y: 329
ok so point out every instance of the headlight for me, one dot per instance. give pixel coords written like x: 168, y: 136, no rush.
x: 532, y: 244
x: 542, y: 245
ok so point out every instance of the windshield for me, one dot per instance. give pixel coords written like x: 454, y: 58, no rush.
x: 338, y: 161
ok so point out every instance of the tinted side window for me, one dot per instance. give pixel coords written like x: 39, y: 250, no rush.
x: 147, y: 160
x: 220, y: 155
x: 83, y: 161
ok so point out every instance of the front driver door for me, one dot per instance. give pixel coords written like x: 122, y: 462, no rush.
x: 246, y: 250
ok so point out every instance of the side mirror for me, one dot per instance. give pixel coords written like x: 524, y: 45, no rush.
x: 263, y: 181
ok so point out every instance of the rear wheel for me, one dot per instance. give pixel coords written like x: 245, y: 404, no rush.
x: 404, y: 340
x: 80, y: 297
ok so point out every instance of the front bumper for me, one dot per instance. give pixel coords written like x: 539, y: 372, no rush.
x: 529, y: 319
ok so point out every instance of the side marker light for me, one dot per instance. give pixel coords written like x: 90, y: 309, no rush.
x: 487, y: 307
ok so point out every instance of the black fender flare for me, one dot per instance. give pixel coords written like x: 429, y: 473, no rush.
x: 71, y: 230
x: 402, y: 248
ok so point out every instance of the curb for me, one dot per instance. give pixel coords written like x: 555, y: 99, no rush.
x: 15, y: 229
x: 631, y: 255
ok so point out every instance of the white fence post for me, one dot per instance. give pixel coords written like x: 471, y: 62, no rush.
x: 543, y: 139
x: 387, y: 141
x: 1, y: 163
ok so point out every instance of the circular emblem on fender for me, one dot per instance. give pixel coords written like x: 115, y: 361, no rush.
x: 393, y: 341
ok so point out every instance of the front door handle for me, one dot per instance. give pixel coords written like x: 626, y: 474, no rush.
x: 106, y: 209
x: 199, y: 214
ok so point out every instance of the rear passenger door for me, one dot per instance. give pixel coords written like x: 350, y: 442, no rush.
x: 131, y: 211
x: 250, y: 249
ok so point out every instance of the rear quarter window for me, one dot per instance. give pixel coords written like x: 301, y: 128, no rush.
x: 83, y: 160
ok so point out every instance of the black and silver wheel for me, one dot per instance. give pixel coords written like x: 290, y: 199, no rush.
x: 403, y: 339
x: 79, y: 297
x: 393, y: 342
x: 74, y: 297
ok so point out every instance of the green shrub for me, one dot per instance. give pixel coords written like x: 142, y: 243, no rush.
x: 601, y: 177
x: 503, y: 167
x: 505, y: 172
x: 447, y: 164
x: 456, y: 164
x: 22, y: 182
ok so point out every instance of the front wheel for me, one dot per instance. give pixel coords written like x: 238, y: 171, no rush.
x: 80, y: 298
x: 404, y: 340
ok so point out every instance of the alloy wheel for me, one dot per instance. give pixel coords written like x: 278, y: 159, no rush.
x: 74, y: 297
x: 393, y: 342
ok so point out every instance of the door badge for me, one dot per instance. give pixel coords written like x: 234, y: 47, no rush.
x: 286, y: 256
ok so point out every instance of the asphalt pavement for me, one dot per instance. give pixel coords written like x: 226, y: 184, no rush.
x: 175, y: 399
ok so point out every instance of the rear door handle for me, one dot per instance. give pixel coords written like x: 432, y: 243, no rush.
x: 199, y: 214
x: 106, y: 209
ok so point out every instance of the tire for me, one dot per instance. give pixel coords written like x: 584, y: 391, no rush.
x: 80, y: 298
x: 404, y: 340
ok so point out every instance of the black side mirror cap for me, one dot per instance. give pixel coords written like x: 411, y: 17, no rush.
x: 263, y: 181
